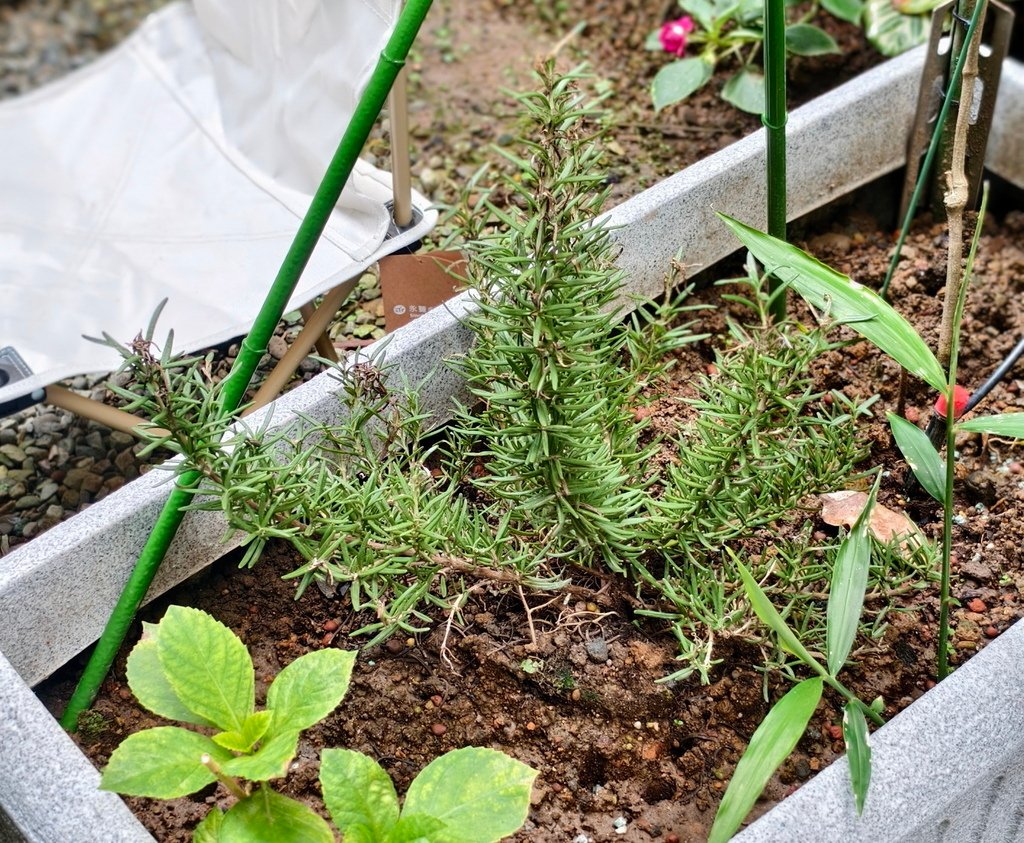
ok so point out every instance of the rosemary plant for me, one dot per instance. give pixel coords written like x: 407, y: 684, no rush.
x: 555, y: 389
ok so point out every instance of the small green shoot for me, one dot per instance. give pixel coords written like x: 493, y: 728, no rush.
x: 775, y: 738
x: 193, y: 669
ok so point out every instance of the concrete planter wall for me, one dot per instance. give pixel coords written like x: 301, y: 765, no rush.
x: 57, y: 592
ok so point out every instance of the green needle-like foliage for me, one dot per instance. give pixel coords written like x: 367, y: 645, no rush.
x: 555, y: 389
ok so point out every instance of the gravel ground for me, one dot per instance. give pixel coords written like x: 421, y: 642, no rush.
x: 52, y: 463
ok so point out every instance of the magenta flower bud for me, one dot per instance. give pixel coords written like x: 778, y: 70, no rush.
x: 673, y: 35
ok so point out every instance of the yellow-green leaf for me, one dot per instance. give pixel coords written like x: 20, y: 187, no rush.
x: 846, y: 593
x: 858, y: 751
x: 922, y: 458
x: 772, y: 619
x: 1005, y: 424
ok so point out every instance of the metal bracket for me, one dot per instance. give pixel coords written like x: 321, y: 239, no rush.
x: 934, y: 79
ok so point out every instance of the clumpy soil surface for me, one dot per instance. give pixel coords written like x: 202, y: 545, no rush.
x: 572, y: 686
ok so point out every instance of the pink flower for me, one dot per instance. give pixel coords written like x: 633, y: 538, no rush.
x: 960, y: 398
x: 673, y: 35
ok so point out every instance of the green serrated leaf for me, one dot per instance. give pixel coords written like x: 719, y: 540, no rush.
x: 207, y: 666
x: 358, y: 792
x: 1005, y: 424
x: 771, y: 743
x: 922, y: 458
x: 270, y: 761
x: 269, y: 817
x: 676, y: 81
x: 891, y: 32
x: 480, y: 795
x: 849, y: 582
x: 254, y: 728
x: 208, y: 831
x: 848, y: 10
x: 844, y: 300
x: 309, y: 689
x: 858, y: 752
x: 804, y: 39
x: 770, y: 617
x: 148, y: 682
x: 163, y: 763
x: 745, y: 90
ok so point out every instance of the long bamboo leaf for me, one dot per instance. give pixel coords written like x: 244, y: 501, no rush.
x: 772, y: 619
x: 844, y: 300
x: 1006, y: 424
x: 773, y: 740
x: 846, y: 594
x: 922, y: 458
x: 858, y: 752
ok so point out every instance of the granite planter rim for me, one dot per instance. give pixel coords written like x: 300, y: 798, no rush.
x: 76, y: 569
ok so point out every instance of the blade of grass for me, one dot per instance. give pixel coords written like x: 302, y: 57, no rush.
x: 844, y: 300
x: 922, y: 458
x: 1006, y: 424
x: 858, y: 752
x: 849, y: 581
x: 771, y: 743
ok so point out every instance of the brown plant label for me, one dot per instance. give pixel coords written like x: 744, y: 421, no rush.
x: 413, y: 285
x: 841, y: 509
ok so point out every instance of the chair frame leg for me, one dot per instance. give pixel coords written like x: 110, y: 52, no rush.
x: 314, y: 329
x: 89, y: 408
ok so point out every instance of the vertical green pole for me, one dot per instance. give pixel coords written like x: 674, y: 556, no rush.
x: 774, y: 120
x: 391, y: 61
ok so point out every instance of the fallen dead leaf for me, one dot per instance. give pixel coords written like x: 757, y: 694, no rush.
x: 841, y: 509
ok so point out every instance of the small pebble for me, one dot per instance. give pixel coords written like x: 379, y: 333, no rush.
x: 331, y: 625
x: 597, y: 650
x: 977, y: 605
x: 439, y: 729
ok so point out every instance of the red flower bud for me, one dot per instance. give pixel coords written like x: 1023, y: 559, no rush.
x: 673, y: 35
x: 960, y: 398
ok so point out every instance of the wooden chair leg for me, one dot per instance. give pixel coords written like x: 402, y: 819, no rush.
x: 314, y: 328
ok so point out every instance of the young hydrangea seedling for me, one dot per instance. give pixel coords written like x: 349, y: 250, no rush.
x: 193, y: 669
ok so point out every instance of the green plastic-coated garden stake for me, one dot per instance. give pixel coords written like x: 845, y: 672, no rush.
x: 952, y: 93
x: 774, y: 119
x: 391, y: 61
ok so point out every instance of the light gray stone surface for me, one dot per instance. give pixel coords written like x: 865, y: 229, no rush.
x: 49, y: 791
x: 946, y: 770
x: 1005, y: 148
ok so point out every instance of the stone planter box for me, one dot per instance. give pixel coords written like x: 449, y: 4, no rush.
x: 57, y: 592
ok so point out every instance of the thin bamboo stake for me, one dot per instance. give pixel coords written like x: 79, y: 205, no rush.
x: 774, y: 119
x: 252, y: 349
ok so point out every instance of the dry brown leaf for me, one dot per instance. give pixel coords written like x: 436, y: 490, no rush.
x: 842, y: 509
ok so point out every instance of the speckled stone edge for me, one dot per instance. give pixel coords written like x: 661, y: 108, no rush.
x: 49, y: 791
x: 56, y: 592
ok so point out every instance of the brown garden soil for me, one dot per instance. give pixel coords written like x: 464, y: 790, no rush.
x: 472, y: 52
x: 572, y: 686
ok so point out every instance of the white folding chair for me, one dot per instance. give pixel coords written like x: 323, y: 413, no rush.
x: 178, y: 167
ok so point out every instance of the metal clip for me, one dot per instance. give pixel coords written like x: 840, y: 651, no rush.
x: 934, y: 79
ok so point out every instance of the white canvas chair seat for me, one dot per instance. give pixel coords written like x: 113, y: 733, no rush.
x: 179, y: 166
